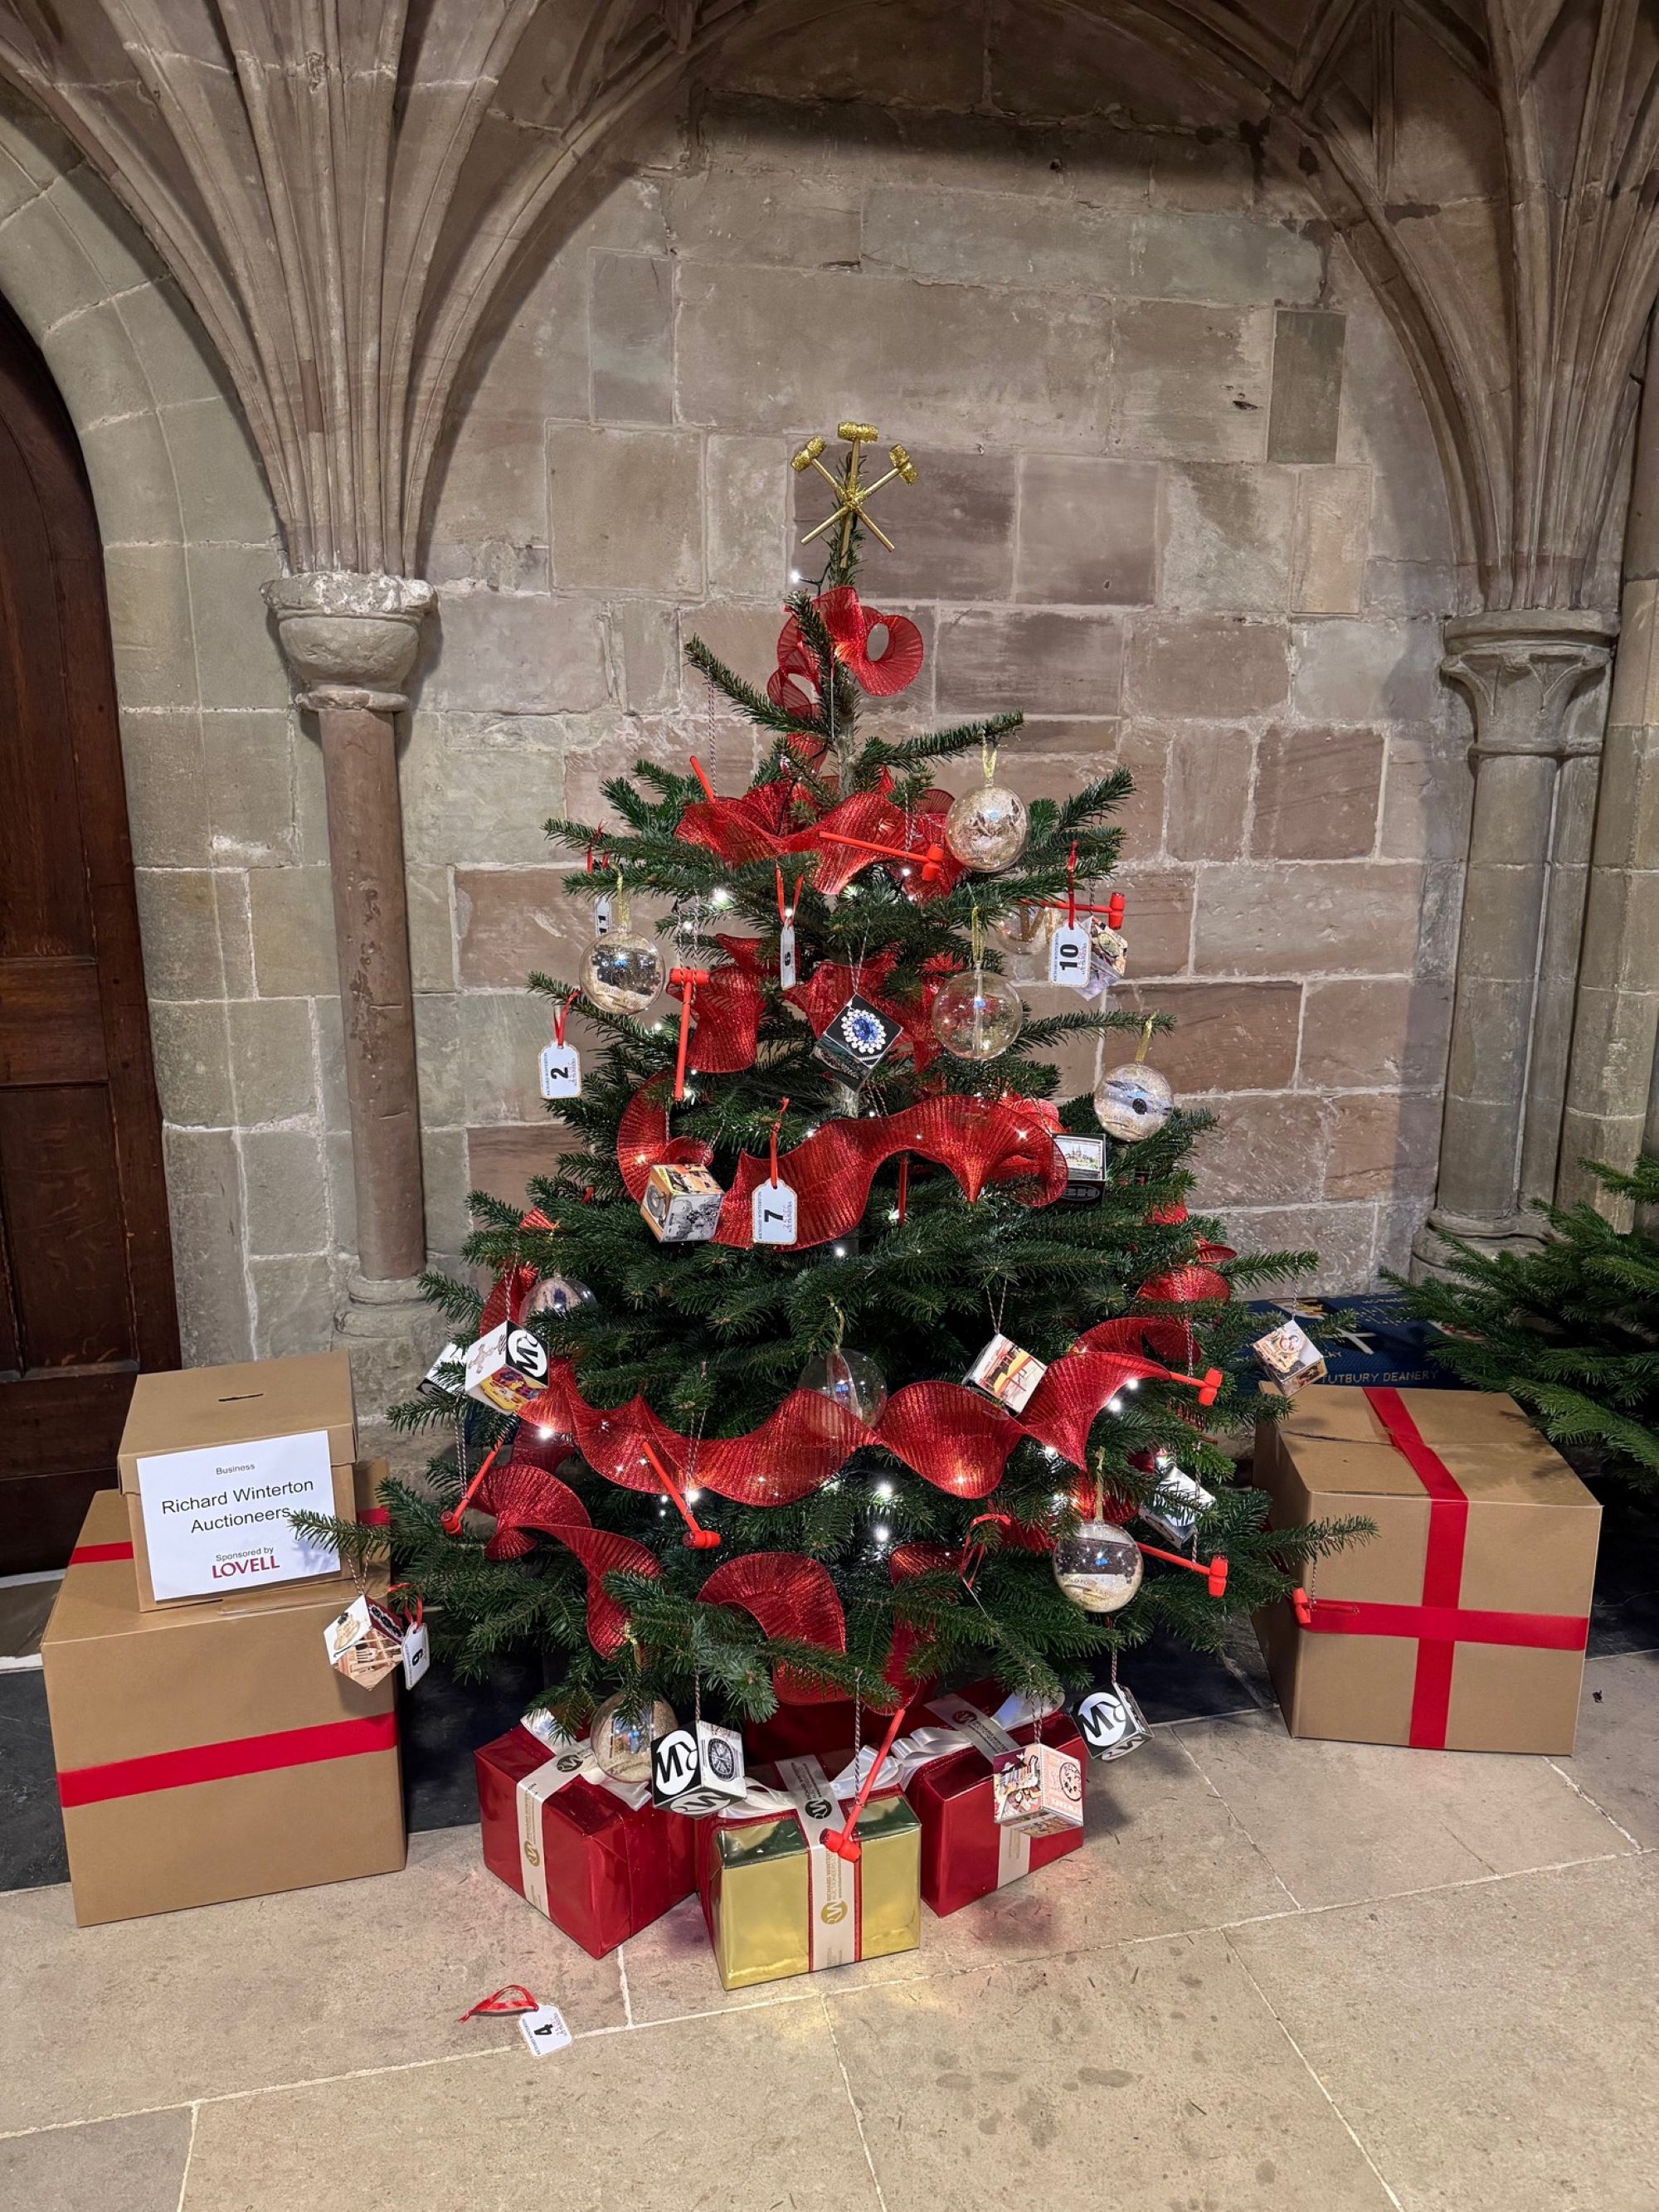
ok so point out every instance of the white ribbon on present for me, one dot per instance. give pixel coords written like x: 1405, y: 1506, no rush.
x: 567, y: 1761
x: 967, y: 1729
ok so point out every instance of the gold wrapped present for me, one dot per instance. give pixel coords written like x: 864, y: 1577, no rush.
x: 778, y: 1902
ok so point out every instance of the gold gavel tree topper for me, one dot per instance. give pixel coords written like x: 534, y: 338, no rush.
x: 850, y: 494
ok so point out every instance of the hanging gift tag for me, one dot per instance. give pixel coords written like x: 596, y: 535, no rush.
x: 417, y: 1654
x: 1085, y: 1168
x: 787, y: 955
x: 1038, y: 1790
x: 772, y: 1213
x: 1005, y: 1373
x: 446, y: 1376
x: 1068, y: 956
x: 1290, y: 1358
x: 1109, y: 959
x: 605, y: 912
x: 720, y: 1761
x: 506, y: 1369
x: 857, y: 1040
x: 561, y: 1072
x: 1111, y: 1723
x: 544, y: 2030
x: 364, y: 1642
x: 1174, y: 1511
x: 682, y: 1205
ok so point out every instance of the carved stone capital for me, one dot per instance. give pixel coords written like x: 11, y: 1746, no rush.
x: 1521, y: 673
x: 350, y: 639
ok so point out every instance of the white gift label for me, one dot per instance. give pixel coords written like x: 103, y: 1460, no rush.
x: 1068, y: 956
x: 216, y: 1519
x: 833, y: 1929
x: 772, y: 1213
x: 604, y: 910
x: 544, y: 2030
x: 787, y: 955
x: 561, y: 1072
x: 417, y: 1653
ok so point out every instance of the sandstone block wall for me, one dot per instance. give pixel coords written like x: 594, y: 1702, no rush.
x: 1177, y: 500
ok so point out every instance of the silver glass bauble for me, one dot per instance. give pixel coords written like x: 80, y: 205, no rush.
x: 976, y: 1016
x: 851, y: 1379
x: 1133, y: 1102
x: 622, y: 1747
x: 1027, y: 926
x: 1099, y: 1566
x: 986, y: 828
x: 622, y: 975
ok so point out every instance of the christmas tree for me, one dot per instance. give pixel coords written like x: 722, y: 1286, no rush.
x: 720, y: 1442
x: 1570, y: 1331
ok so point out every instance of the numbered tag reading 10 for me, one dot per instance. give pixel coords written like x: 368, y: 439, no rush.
x: 772, y: 1213
x: 1068, y: 956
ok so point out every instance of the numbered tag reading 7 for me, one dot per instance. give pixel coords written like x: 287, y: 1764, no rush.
x: 561, y: 1072
x: 772, y: 1213
x: 1068, y: 956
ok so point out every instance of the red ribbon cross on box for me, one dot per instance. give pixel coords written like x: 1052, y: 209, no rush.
x: 1441, y: 1622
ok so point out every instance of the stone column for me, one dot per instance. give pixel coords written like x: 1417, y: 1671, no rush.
x: 1612, y: 1090
x: 350, y: 641
x: 1521, y: 673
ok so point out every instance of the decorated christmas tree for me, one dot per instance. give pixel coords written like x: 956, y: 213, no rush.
x: 839, y: 1355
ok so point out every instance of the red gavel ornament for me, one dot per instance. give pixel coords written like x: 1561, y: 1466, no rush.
x: 842, y: 1841
x: 699, y: 1538
x: 930, y: 856
x: 685, y: 981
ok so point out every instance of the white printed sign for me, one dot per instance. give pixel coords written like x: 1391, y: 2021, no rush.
x: 560, y: 1070
x: 216, y: 1519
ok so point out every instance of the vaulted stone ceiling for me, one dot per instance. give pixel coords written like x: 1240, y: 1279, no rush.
x: 341, y: 188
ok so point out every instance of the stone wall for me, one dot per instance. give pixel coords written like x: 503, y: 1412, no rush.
x: 1177, y: 499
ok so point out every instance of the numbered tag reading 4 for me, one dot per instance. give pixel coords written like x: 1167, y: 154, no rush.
x: 772, y: 1213
x: 561, y: 1072
x: 1068, y: 956
x: 544, y: 2030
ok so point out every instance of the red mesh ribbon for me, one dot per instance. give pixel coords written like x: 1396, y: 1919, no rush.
x: 953, y: 1437
x: 747, y: 828
x: 1186, y: 1286
x: 727, y: 1012
x: 979, y: 1141
x: 792, y: 1597
x: 897, y: 661
x: 524, y: 1498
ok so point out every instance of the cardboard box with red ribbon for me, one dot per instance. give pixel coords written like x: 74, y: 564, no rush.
x: 593, y: 1853
x: 1461, y: 1624
x: 209, y: 1752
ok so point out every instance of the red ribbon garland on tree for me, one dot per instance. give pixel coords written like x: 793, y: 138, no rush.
x: 979, y: 1141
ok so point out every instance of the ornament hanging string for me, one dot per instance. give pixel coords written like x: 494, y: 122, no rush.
x: 561, y: 1014
x: 450, y: 1522
x: 772, y: 1142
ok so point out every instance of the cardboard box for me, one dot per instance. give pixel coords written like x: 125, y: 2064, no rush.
x: 596, y: 1856
x: 213, y: 1459
x: 1461, y: 1623
x: 208, y: 1752
x: 777, y: 1903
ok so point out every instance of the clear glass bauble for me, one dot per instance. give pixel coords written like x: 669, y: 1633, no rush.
x: 1028, y: 927
x: 622, y: 1747
x: 1133, y: 1102
x: 559, y: 1294
x: 977, y: 1016
x: 851, y: 1379
x: 622, y: 975
x: 1099, y: 1566
x: 986, y: 828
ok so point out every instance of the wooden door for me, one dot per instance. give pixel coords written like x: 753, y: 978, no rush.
x: 86, y: 1267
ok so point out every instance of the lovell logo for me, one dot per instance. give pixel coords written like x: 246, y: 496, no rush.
x: 225, y: 1569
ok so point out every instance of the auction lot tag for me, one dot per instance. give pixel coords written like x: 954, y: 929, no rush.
x: 544, y: 2030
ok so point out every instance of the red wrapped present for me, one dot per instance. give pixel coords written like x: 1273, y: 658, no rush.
x: 947, y: 1767
x: 593, y: 1853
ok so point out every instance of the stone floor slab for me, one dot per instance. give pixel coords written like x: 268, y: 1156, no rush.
x: 1152, y: 2075
x: 1161, y: 1853
x: 1338, y: 1822
x: 742, y: 2113
x: 1616, y: 1757
x: 314, y: 1982
x: 137, y: 2164
x: 1492, y: 2046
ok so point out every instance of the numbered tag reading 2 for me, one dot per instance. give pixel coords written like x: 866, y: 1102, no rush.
x: 561, y: 1072
x: 1068, y: 956
x: 772, y: 1213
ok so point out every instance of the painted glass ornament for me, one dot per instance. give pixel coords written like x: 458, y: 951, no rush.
x: 1099, y: 1566
x: 559, y: 1294
x: 623, y: 1746
x: 976, y: 1016
x: 622, y: 975
x: 850, y: 1379
x: 1132, y: 1101
x: 986, y: 828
